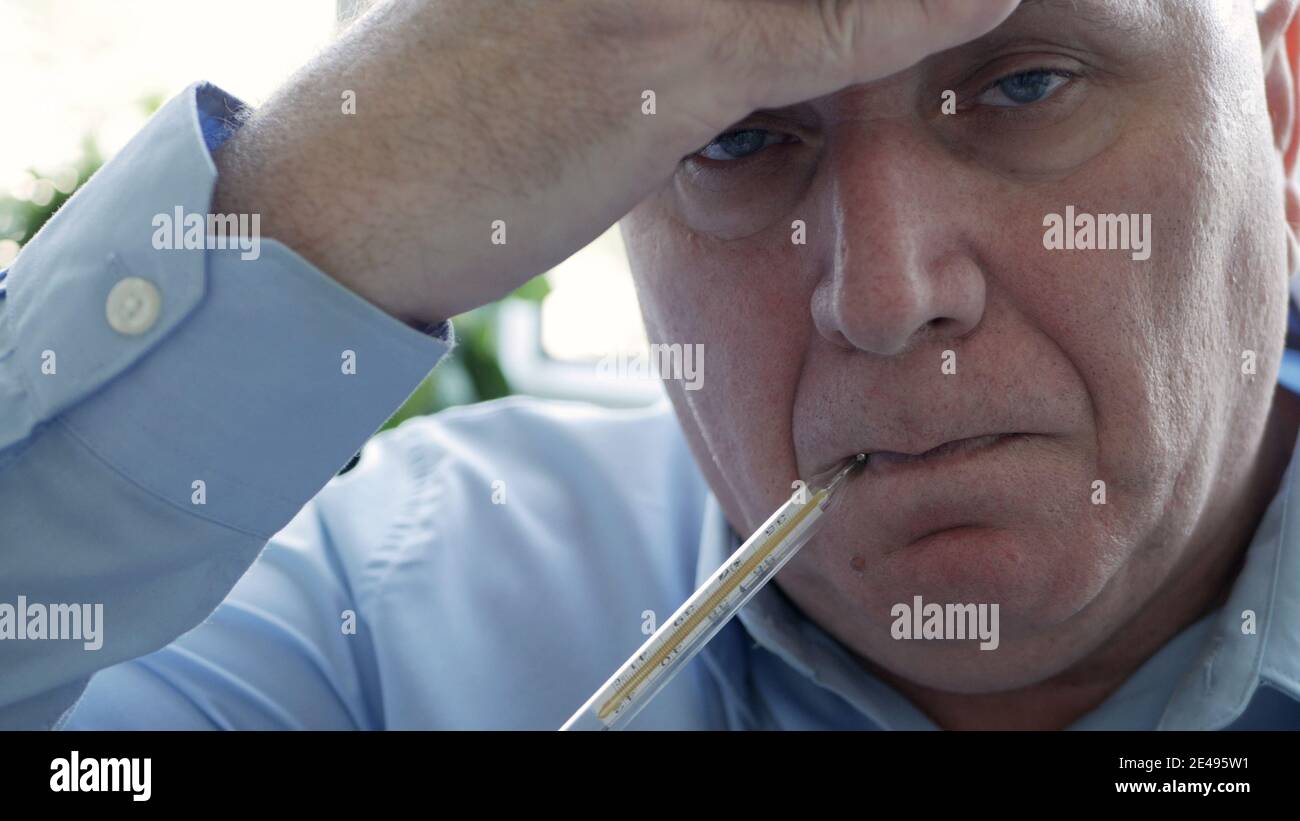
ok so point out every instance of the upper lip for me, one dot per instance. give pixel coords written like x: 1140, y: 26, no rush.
x: 948, y: 446
x: 927, y: 449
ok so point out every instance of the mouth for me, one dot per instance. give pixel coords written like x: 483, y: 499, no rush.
x: 881, y: 460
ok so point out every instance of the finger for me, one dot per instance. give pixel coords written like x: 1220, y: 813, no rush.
x: 875, y: 38
x: 808, y: 48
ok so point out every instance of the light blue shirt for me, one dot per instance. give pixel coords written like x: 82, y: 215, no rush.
x: 487, y: 567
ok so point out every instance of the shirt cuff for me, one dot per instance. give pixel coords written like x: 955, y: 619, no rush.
x: 245, y: 368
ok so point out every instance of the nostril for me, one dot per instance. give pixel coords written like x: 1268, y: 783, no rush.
x: 947, y: 327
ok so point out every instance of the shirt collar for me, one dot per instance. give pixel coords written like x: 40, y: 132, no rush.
x: 1235, y: 661
x: 1204, y: 678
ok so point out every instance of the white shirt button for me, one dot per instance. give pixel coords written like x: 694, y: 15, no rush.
x: 133, y: 306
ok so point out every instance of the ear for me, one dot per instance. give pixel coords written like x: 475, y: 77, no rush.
x: 1279, y: 33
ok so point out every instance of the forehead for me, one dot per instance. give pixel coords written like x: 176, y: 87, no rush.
x: 1136, y: 17
x: 1131, y: 39
x: 1138, y: 40
x: 1109, y: 14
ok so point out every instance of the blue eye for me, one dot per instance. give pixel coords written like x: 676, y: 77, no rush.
x: 1023, y: 89
x: 737, y: 145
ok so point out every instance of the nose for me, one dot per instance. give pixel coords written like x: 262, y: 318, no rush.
x: 902, y: 266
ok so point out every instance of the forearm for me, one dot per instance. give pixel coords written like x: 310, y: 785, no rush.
x: 468, y: 113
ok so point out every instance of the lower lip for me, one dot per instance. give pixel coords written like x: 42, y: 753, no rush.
x: 948, y: 453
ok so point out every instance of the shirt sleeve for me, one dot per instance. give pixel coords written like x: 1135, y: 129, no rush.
x: 290, y: 648
x: 165, y: 410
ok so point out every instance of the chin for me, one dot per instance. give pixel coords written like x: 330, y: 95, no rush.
x: 1025, y: 584
x: 1037, y: 578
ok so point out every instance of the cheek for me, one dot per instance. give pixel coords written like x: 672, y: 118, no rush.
x: 1157, y: 344
x: 698, y: 290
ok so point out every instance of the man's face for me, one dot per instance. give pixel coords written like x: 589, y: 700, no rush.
x: 925, y: 235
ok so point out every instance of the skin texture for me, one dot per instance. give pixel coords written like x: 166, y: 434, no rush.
x: 924, y: 235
